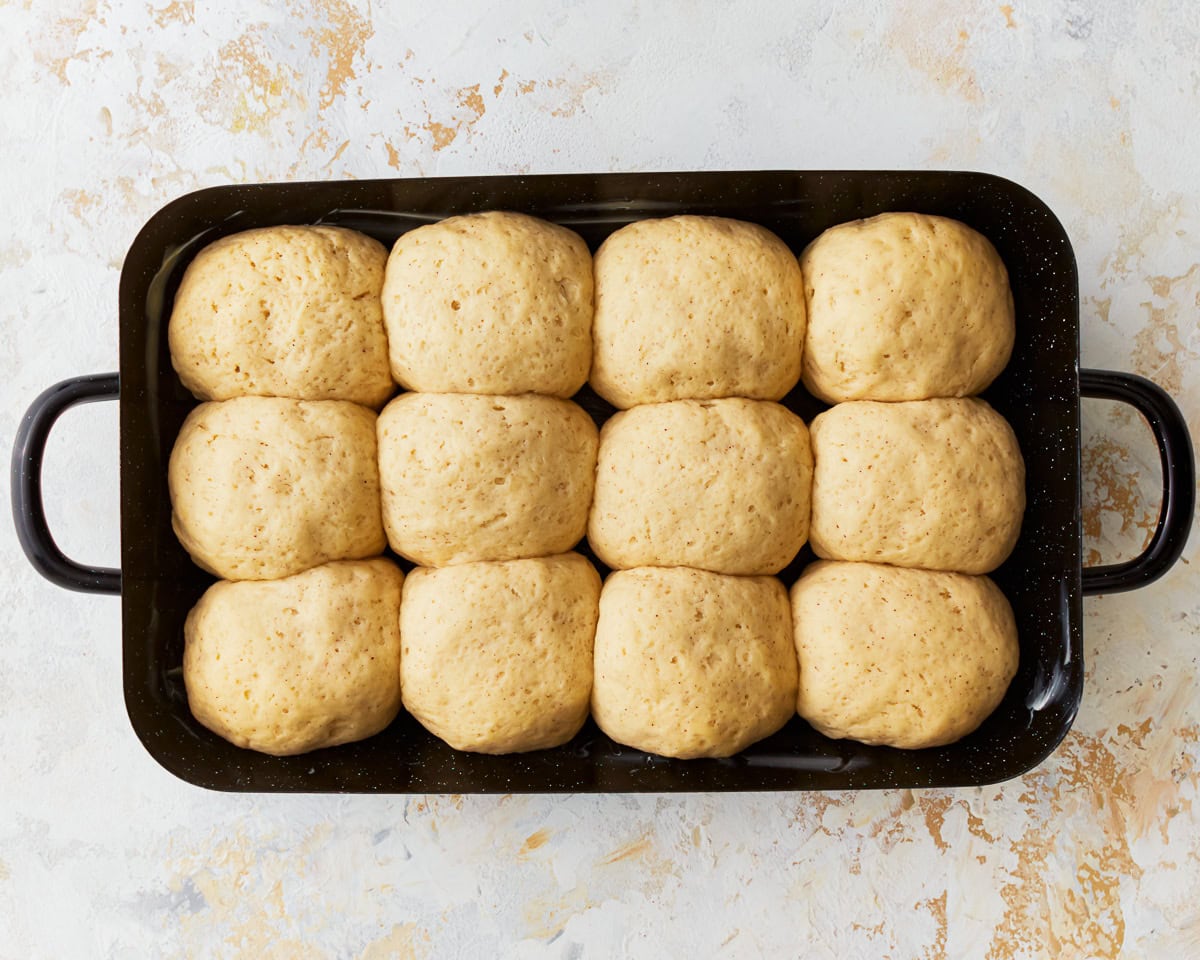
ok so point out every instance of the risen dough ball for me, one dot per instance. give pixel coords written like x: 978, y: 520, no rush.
x: 938, y: 484
x: 718, y: 484
x: 264, y: 487
x: 906, y: 658
x: 285, y: 666
x: 484, y: 478
x: 495, y: 303
x: 904, y: 307
x: 696, y: 307
x: 691, y: 663
x: 498, y: 656
x: 283, y: 312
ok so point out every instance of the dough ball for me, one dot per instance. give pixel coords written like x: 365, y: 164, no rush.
x: 484, y: 478
x: 283, y: 312
x: 904, y: 658
x: 722, y: 485
x: 904, y: 306
x: 264, y: 487
x: 691, y: 663
x: 938, y: 484
x: 498, y: 656
x: 493, y: 303
x: 696, y: 307
x: 286, y: 666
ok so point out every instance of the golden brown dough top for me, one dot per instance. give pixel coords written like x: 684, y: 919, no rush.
x: 904, y: 306
x: 284, y: 312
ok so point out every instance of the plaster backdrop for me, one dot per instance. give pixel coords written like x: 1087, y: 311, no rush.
x: 112, y: 109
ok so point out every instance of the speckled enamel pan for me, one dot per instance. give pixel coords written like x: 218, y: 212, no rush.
x: 1039, y: 393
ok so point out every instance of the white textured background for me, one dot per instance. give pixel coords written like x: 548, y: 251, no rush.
x: 111, y: 109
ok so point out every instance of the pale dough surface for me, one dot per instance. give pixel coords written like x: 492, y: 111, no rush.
x: 284, y: 312
x: 469, y: 478
x: 691, y: 663
x: 904, y: 306
x: 309, y: 661
x: 906, y: 658
x: 498, y: 656
x: 938, y: 484
x: 696, y: 307
x: 718, y: 484
x: 496, y: 303
x: 265, y: 487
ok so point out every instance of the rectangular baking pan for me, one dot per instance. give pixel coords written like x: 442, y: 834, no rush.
x: 1039, y: 393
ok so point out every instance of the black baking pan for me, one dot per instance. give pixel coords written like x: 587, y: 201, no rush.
x: 1039, y: 393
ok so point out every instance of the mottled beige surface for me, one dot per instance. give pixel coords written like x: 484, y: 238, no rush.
x: 718, y: 484
x: 484, y: 478
x: 695, y: 308
x: 897, y: 657
x: 938, y: 484
x: 496, y: 303
x: 264, y: 487
x: 904, y: 306
x: 292, y: 665
x: 498, y: 656
x: 692, y: 664
x: 124, y: 107
x: 283, y: 312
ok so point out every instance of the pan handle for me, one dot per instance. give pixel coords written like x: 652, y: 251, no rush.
x: 1178, y: 478
x: 29, y: 515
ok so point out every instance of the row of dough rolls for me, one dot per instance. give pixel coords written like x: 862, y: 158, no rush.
x: 901, y: 306
x: 488, y: 473
x: 702, y: 484
x: 503, y: 657
x: 918, y: 485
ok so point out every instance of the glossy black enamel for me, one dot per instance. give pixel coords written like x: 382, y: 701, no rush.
x: 29, y: 515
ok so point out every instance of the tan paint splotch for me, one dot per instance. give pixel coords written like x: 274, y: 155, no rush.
x: 243, y: 901
x: 934, y: 809
x: 338, y: 35
x: 1161, y: 753
x: 535, y: 841
x: 1007, y: 10
x: 252, y: 87
x: 937, y: 910
x: 82, y: 203
x: 405, y: 941
x: 467, y: 108
x: 641, y: 861
x: 545, y: 917
x: 442, y: 134
x: 936, y: 46
x: 1159, y: 352
x: 177, y: 11
x: 14, y: 254
x: 1111, y: 484
x: 455, y: 113
x: 1091, y: 785
x: 633, y: 849
x: 564, y: 96
x: 572, y: 92
x: 65, y: 40
x: 472, y: 101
